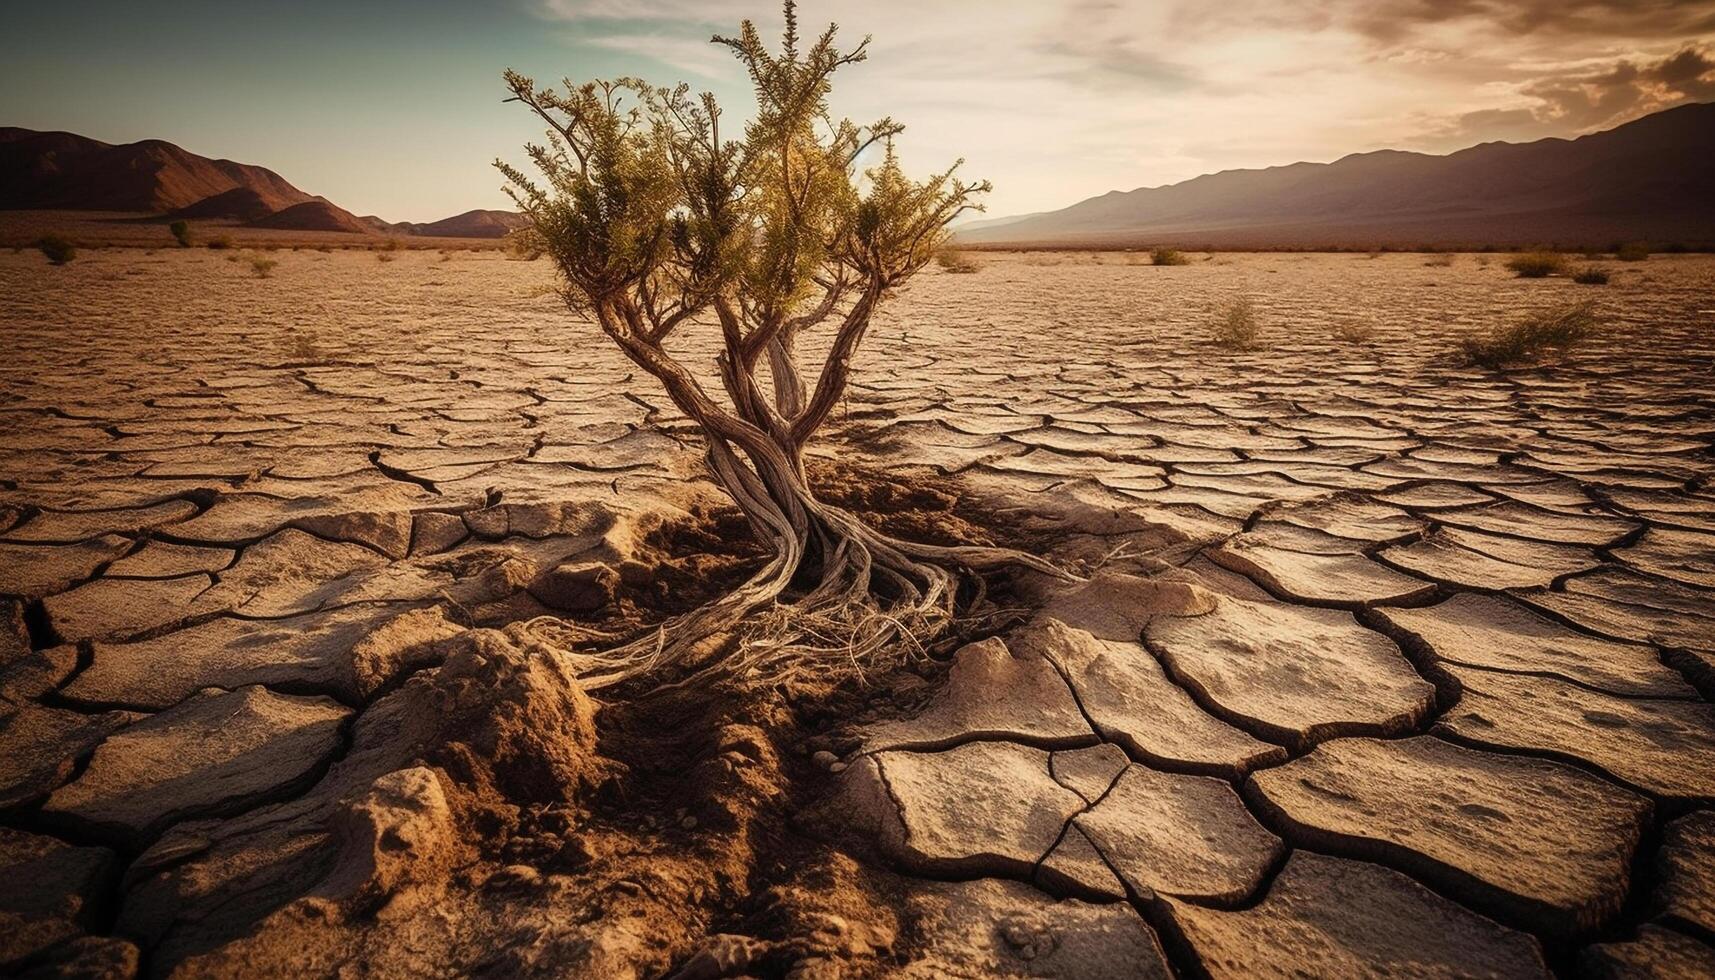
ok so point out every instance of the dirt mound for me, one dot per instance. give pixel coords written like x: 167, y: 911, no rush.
x: 243, y: 203
x: 64, y: 170
x: 314, y: 216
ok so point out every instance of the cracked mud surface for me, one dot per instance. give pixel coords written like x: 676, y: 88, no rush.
x: 1394, y: 667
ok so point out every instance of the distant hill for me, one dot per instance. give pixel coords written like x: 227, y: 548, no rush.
x: 64, y: 170
x: 471, y: 224
x: 1652, y: 179
x: 241, y: 203
x: 314, y: 215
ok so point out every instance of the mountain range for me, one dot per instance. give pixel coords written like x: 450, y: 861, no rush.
x: 64, y: 171
x: 1652, y: 179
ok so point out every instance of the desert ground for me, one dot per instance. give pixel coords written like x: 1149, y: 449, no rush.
x: 1379, y: 664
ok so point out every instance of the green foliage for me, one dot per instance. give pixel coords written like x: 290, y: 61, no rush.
x: 1235, y: 325
x: 1168, y: 256
x: 651, y: 211
x: 1560, y: 328
x: 1539, y: 264
x: 181, y: 233
x: 1591, y: 275
x: 1632, y: 252
x: 58, y: 250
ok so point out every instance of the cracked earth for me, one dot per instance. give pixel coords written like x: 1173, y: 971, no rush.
x: 1386, y: 667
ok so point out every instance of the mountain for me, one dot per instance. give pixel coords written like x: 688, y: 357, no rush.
x: 1652, y: 179
x: 314, y: 215
x: 64, y: 170
x: 242, y: 203
x: 471, y: 224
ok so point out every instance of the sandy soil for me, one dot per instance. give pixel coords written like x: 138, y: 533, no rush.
x: 1386, y: 665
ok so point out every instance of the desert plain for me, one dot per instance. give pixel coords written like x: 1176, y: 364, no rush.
x: 1378, y: 664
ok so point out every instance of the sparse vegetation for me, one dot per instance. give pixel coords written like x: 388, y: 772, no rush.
x: 1632, y: 252
x: 263, y: 268
x: 1560, y: 328
x: 524, y: 245
x: 384, y: 255
x: 1538, y: 264
x: 58, y: 250
x: 1235, y: 325
x: 953, y: 260
x: 1591, y: 275
x: 1168, y: 256
x: 1441, y: 261
x: 181, y: 233
x: 219, y: 242
x: 1485, y: 260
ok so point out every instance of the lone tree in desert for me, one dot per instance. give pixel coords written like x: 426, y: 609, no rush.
x: 661, y: 223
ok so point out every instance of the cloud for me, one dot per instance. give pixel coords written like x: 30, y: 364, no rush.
x: 1056, y: 101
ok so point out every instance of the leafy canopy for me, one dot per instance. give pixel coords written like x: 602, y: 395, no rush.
x: 648, y: 207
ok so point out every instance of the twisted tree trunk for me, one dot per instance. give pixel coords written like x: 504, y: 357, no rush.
x: 834, y: 589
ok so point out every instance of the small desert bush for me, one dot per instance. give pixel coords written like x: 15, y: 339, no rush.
x: 262, y: 267
x: 57, y: 249
x: 181, y: 233
x: 952, y: 260
x: 1235, y: 325
x: 1632, y: 252
x: 384, y: 256
x: 1484, y: 261
x: 1537, y: 265
x: 1353, y: 332
x: 219, y: 242
x: 1557, y: 329
x: 1591, y: 276
x: 1168, y: 256
x: 1441, y: 261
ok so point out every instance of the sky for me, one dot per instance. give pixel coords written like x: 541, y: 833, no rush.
x: 393, y: 107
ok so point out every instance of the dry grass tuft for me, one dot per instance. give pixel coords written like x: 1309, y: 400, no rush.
x: 1632, y: 252
x: 1539, y: 264
x: 384, y: 255
x: 1441, y: 261
x: 1168, y: 256
x: 58, y: 250
x: 1235, y: 325
x: 263, y: 268
x: 952, y: 260
x: 1591, y: 276
x: 1560, y: 328
x: 1354, y: 332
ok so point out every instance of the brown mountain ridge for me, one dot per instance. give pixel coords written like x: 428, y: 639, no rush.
x: 65, y: 171
x: 1652, y: 179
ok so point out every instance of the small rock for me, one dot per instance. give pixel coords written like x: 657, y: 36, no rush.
x: 825, y: 759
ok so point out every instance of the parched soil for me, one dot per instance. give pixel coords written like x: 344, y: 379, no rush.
x: 1382, y: 664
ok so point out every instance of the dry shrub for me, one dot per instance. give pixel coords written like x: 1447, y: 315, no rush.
x: 952, y: 260
x: 1168, y: 256
x: 384, y: 255
x: 58, y: 250
x: 1632, y: 252
x: 1539, y: 264
x: 1484, y: 261
x: 219, y: 242
x: 1235, y: 325
x: 262, y: 267
x: 1440, y: 261
x: 1560, y: 328
x: 1354, y: 332
x: 1591, y: 276
x: 181, y: 233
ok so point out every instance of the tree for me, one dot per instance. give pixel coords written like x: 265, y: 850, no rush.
x: 658, y: 224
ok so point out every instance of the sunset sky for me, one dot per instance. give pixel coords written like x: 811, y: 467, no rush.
x: 392, y: 107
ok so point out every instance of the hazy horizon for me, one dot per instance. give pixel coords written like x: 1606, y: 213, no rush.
x: 395, y: 109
